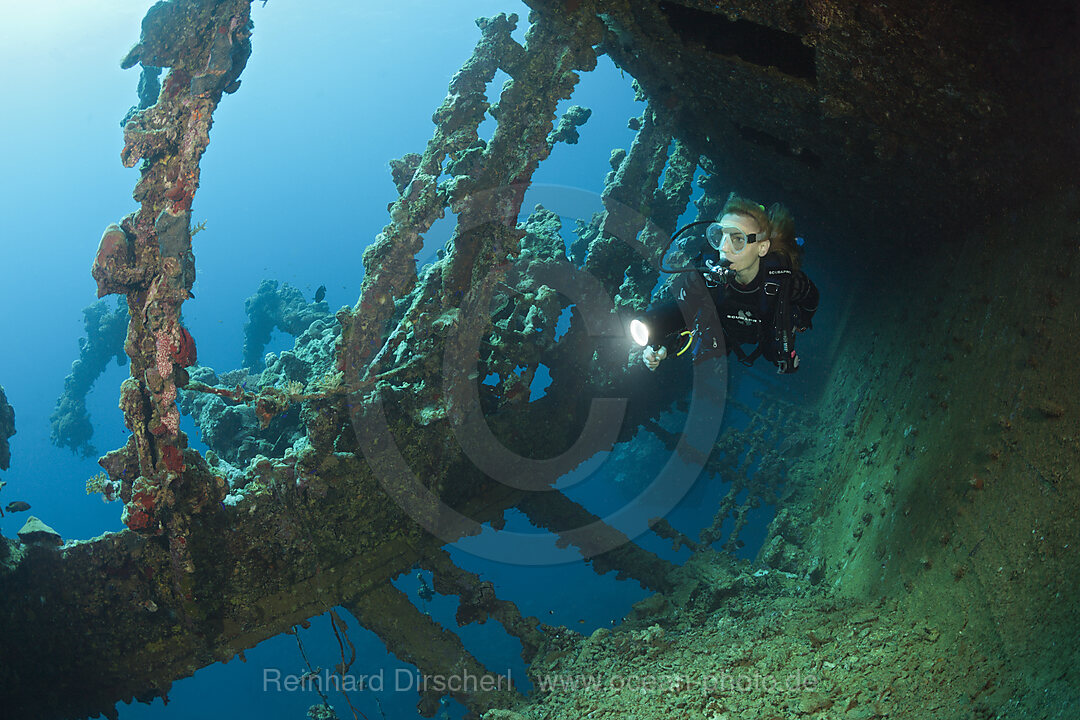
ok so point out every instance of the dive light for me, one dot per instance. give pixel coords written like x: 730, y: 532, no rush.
x: 651, y: 327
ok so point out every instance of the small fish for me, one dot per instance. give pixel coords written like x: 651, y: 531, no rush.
x: 17, y: 506
x: 320, y: 293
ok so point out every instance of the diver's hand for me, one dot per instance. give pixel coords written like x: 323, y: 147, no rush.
x: 652, y: 357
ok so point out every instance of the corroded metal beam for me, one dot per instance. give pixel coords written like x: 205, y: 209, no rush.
x: 445, y: 666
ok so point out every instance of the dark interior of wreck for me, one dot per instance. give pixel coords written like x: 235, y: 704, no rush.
x: 943, y: 135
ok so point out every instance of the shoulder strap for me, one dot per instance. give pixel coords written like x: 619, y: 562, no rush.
x: 784, y: 333
x: 744, y: 358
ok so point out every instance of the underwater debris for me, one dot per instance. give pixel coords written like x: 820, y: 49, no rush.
x: 478, y: 602
x: 734, y: 457
x: 557, y: 513
x: 416, y: 638
x: 490, y: 197
x: 325, y: 710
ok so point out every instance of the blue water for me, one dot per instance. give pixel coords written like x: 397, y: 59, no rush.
x: 294, y: 185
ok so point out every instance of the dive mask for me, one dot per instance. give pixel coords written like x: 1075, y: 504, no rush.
x: 717, y: 233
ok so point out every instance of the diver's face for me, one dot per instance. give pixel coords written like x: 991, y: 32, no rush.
x: 744, y: 261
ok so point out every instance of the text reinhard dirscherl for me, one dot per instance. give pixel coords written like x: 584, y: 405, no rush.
x: 404, y: 680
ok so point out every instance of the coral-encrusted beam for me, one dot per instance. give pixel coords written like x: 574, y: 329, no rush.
x: 148, y: 255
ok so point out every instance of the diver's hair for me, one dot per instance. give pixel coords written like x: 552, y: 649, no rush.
x: 776, y: 223
x: 782, y: 235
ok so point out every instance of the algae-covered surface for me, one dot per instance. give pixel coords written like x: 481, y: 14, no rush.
x: 773, y: 649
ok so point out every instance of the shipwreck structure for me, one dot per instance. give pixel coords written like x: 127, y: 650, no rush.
x: 920, y: 126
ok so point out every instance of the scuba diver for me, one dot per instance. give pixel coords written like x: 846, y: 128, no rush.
x: 746, y: 286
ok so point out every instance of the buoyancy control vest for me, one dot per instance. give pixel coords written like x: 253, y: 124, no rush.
x: 760, y: 314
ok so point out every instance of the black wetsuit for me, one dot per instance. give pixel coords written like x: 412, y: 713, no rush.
x: 750, y: 315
